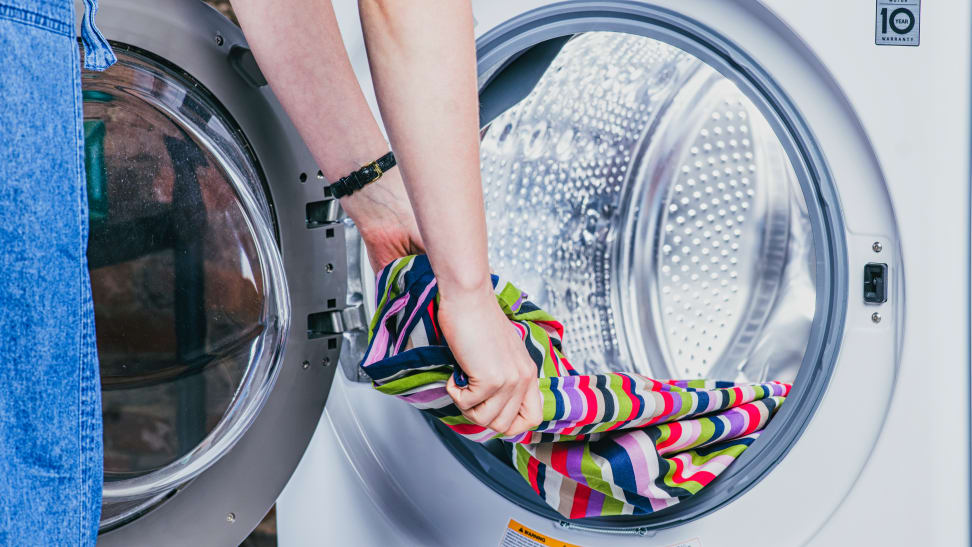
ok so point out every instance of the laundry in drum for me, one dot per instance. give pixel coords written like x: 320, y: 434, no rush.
x: 609, y: 444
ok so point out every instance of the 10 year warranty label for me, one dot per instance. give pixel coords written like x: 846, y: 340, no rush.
x: 897, y: 22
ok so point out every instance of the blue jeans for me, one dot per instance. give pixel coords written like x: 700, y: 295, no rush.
x: 50, y: 395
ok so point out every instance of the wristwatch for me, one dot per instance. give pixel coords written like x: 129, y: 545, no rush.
x: 357, y: 179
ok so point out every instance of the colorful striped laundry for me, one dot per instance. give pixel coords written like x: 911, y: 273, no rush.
x: 609, y: 444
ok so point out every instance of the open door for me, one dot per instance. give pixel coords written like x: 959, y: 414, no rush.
x: 219, y: 277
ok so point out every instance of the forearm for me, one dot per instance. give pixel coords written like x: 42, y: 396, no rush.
x: 298, y: 47
x: 422, y: 58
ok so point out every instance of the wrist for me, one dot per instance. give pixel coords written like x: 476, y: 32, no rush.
x: 465, y: 291
x: 378, y: 206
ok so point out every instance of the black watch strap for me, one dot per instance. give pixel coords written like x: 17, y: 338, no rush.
x: 368, y: 173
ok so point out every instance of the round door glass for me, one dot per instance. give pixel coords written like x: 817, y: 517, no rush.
x: 187, y: 281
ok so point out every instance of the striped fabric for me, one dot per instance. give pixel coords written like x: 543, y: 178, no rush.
x: 609, y: 444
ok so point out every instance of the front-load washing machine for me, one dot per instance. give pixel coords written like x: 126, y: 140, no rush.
x: 699, y: 188
x: 736, y: 190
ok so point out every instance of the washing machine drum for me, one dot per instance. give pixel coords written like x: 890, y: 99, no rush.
x: 641, y: 197
x: 217, y: 269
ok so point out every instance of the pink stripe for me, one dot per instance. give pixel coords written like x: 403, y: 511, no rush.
x: 379, y: 347
x: 658, y: 504
x: 639, y: 462
x: 401, y: 337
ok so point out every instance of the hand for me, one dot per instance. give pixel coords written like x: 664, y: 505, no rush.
x: 385, y: 220
x: 502, y: 393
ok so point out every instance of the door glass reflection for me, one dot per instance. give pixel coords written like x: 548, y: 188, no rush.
x: 176, y: 280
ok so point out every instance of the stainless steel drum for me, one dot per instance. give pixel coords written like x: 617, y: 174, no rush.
x: 640, y: 197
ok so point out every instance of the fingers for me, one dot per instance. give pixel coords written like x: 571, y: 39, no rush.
x: 485, y: 413
x: 530, y: 413
x: 511, y: 409
x: 502, y: 389
x: 501, y: 423
x: 476, y: 393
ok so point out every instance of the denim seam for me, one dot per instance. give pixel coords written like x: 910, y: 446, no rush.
x: 82, y: 433
x: 35, y: 20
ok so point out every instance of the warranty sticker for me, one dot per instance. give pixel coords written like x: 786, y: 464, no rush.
x: 897, y: 23
x: 518, y: 535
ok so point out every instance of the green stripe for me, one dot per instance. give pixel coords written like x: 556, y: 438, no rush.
x: 412, y: 381
x: 508, y: 297
x: 622, y: 401
x: 549, y: 402
x: 665, y: 432
x: 535, y: 315
x: 390, y: 292
x: 612, y: 505
x: 592, y: 472
x: 522, y: 461
x: 455, y: 420
x: 539, y: 336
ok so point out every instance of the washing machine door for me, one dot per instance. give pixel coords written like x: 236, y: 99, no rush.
x: 219, y: 278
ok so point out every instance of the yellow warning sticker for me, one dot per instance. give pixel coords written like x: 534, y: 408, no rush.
x: 518, y: 535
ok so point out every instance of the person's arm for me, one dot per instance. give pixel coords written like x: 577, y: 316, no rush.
x: 423, y: 63
x: 299, y: 49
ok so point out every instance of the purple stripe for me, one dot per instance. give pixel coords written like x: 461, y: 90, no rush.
x: 676, y: 403
x: 570, y: 389
x: 737, y: 422
x: 595, y: 503
x: 426, y: 395
x: 575, y: 453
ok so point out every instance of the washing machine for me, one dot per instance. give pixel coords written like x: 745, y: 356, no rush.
x: 705, y: 188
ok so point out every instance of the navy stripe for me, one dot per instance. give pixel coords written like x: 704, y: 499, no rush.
x: 702, y: 402
x: 560, y: 408
x: 641, y: 400
x: 622, y: 470
x: 411, y: 359
x: 541, y: 476
x: 609, y: 406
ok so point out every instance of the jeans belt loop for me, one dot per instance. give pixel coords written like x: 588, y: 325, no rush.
x: 97, y: 52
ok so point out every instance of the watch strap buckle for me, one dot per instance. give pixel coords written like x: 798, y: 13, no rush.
x: 367, y: 174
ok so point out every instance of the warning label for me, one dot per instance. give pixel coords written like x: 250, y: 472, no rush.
x: 518, y: 535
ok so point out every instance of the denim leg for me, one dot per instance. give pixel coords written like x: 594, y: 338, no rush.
x: 50, y: 411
